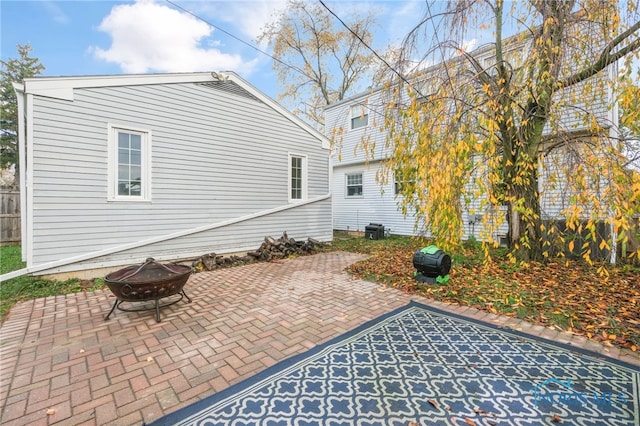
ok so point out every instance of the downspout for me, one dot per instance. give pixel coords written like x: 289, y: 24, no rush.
x: 614, y: 132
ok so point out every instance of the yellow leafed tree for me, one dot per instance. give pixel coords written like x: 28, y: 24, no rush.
x: 525, y: 128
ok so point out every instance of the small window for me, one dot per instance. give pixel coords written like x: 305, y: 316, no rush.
x: 359, y: 116
x: 354, y: 185
x: 297, y: 177
x: 404, y: 180
x: 129, y: 164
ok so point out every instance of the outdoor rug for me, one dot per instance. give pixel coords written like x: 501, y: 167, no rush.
x: 421, y: 366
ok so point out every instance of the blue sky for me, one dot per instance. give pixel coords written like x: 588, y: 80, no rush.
x: 85, y: 37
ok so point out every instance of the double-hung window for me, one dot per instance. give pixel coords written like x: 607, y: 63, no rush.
x: 354, y: 185
x: 129, y: 164
x: 297, y: 177
x: 404, y: 180
x: 359, y: 116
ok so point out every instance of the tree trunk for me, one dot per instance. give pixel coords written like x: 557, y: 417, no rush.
x: 523, y: 215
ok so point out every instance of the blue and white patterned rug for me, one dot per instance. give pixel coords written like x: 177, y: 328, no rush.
x: 421, y: 366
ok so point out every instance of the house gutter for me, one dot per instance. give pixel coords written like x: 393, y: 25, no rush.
x: 105, y: 252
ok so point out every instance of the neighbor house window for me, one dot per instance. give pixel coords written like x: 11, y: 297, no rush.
x: 404, y: 180
x: 354, y: 185
x: 297, y: 177
x: 359, y: 116
x: 130, y: 170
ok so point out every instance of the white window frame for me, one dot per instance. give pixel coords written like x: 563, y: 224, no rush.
x: 145, y: 190
x: 358, y: 111
x: 399, y: 182
x: 304, y: 194
x: 346, y: 185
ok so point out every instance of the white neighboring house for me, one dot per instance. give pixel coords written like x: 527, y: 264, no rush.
x: 359, y: 198
x: 120, y: 168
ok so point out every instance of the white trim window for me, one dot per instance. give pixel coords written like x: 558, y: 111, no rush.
x: 354, y: 185
x: 297, y: 177
x: 359, y: 116
x: 402, y: 181
x: 129, y: 164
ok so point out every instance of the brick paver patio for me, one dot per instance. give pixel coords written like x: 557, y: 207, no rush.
x: 61, y: 363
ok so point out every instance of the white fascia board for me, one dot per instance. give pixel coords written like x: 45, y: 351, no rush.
x: 21, y: 101
x: 27, y: 175
x: 62, y: 87
x: 277, y: 107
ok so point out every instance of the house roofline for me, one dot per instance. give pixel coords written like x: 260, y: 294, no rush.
x: 63, y: 88
x: 479, y: 51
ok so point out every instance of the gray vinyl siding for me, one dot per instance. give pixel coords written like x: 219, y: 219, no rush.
x: 216, y: 155
x: 300, y: 223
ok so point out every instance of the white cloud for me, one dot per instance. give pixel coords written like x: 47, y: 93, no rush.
x: 247, y: 17
x: 147, y: 36
x: 403, y: 16
x: 56, y: 12
x: 469, y: 45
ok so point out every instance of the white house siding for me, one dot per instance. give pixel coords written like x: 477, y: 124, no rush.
x: 377, y: 204
x: 216, y: 155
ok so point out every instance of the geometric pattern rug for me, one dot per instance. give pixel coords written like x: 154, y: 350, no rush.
x: 419, y: 365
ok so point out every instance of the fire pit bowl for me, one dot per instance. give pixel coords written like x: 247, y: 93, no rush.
x: 149, y: 281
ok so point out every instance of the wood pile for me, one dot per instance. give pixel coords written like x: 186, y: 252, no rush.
x: 270, y: 249
x: 284, y: 247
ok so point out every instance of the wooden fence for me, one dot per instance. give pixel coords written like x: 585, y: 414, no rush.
x: 9, y: 216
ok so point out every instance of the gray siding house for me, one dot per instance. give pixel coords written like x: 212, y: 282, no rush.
x: 120, y: 168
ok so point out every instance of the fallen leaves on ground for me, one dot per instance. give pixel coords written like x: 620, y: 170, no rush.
x: 567, y: 294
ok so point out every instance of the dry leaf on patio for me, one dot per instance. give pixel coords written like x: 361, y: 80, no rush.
x: 482, y: 412
x: 469, y: 421
x: 149, y: 358
x: 413, y: 424
x: 51, y: 411
x: 434, y: 403
x: 556, y: 419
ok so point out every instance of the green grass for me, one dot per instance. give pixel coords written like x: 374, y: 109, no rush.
x: 568, y: 294
x: 346, y: 242
x: 27, y: 287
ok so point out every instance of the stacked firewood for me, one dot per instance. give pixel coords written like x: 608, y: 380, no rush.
x: 212, y: 261
x: 270, y: 249
x: 284, y: 247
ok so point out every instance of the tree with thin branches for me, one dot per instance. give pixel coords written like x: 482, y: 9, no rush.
x: 317, y: 62
x: 522, y: 128
x: 14, y: 70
